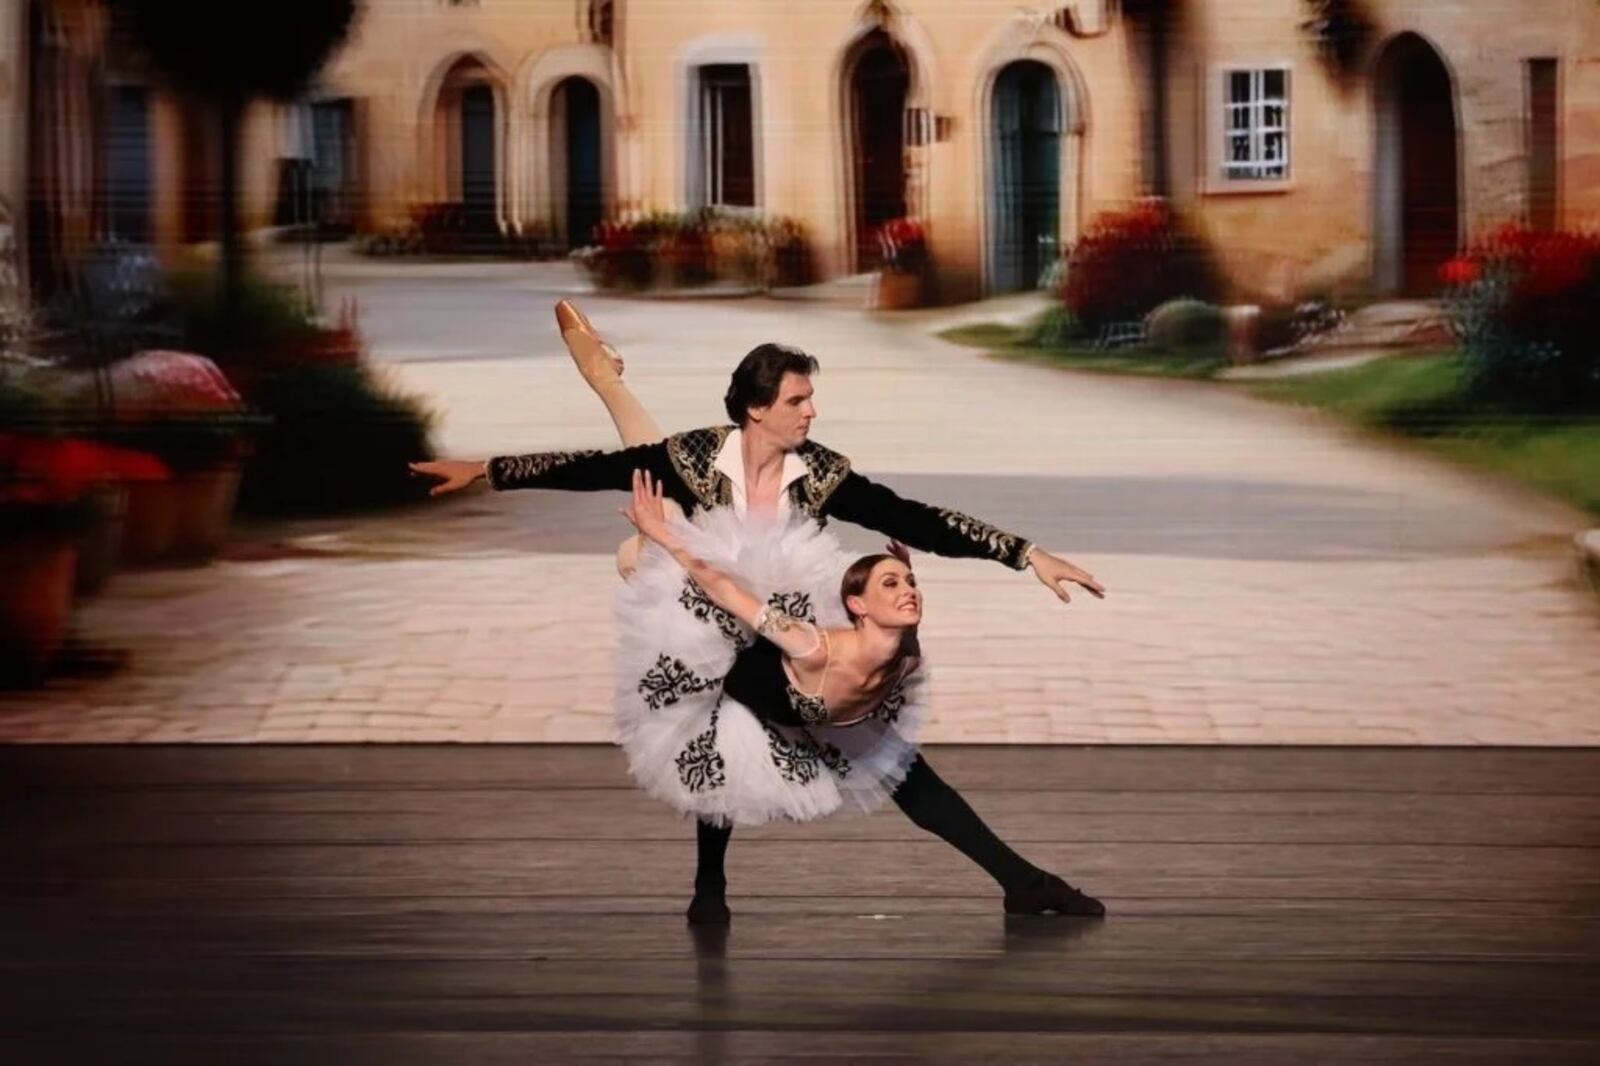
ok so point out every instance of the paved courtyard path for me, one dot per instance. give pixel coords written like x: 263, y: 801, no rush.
x: 1273, y: 577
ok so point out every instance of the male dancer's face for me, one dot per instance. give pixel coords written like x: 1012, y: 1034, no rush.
x: 788, y: 420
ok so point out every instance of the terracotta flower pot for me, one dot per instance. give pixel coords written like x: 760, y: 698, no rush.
x: 101, y: 544
x: 151, y: 523
x: 897, y: 291
x: 35, y: 602
x: 203, y: 512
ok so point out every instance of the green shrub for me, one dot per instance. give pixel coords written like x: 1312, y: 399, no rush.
x: 339, y: 439
x: 1185, y: 323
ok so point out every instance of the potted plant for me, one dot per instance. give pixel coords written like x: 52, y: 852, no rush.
x: 180, y: 408
x: 44, y: 482
x: 903, y: 262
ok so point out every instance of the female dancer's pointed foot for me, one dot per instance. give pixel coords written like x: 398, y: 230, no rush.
x: 709, y: 909
x: 1047, y: 893
x: 597, y: 361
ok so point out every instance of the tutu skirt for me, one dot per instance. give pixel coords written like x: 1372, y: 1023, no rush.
x: 698, y: 749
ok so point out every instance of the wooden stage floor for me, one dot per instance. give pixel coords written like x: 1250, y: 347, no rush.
x: 509, y: 904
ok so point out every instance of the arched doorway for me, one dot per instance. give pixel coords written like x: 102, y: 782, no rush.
x: 478, y: 157
x: 1025, y: 175
x: 1416, y: 177
x: 128, y: 185
x: 467, y: 119
x: 575, y: 153
x: 879, y: 79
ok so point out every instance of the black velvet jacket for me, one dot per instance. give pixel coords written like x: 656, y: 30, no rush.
x: 684, y: 464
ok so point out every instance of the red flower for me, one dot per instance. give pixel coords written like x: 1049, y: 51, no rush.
x: 63, y: 469
x: 1461, y: 270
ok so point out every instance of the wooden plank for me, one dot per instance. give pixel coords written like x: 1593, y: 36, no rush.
x: 439, y: 932
x: 704, y: 1044
x: 1044, y: 992
x: 670, y: 900
x: 1019, y: 818
x: 1530, y: 771
x: 839, y: 865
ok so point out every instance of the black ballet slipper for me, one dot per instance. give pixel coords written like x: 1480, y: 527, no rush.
x: 708, y: 909
x: 1048, y: 894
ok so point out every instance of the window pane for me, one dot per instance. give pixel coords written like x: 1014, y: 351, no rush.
x: 1255, y: 125
x: 728, y: 144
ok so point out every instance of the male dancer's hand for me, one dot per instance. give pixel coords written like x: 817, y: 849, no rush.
x: 453, y: 474
x: 1056, y: 573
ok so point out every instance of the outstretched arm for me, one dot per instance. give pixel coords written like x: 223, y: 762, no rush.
x: 795, y: 638
x: 580, y: 471
x: 945, y: 532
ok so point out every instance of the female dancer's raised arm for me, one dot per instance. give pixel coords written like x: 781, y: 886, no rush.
x: 796, y: 638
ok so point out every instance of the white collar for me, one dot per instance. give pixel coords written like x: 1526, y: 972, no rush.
x: 730, y: 461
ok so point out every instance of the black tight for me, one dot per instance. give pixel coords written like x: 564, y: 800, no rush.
x: 927, y: 801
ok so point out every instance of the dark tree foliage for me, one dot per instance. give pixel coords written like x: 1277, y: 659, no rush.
x: 226, y: 53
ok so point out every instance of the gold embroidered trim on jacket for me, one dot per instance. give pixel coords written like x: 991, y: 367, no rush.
x: 1002, y: 545
x: 825, y: 471
x: 694, y: 456
x: 510, y: 471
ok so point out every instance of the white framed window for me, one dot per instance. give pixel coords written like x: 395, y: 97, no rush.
x: 727, y: 140
x: 1252, y: 144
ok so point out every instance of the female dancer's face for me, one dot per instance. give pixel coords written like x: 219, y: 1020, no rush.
x: 891, y: 597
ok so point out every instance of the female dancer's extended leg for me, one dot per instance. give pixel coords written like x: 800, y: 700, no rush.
x: 601, y: 367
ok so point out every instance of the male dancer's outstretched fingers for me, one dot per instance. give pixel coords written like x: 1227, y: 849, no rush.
x: 1056, y: 573
x: 453, y: 474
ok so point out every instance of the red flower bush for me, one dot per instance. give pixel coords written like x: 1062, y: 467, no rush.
x: 903, y: 246
x: 691, y: 249
x: 52, y: 471
x: 1526, y: 305
x: 1130, y: 262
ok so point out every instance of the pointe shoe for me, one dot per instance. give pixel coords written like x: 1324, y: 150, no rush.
x: 1049, y: 894
x: 597, y: 361
x: 709, y: 910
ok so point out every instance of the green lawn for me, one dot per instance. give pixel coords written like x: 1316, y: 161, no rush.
x: 1414, y: 396
x: 1417, y: 396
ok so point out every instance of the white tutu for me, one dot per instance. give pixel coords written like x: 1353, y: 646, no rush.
x: 705, y: 753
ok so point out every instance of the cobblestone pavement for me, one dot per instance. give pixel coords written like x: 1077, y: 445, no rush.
x: 1273, y: 577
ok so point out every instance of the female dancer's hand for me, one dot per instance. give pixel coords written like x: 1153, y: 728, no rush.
x: 647, y: 511
x: 453, y: 474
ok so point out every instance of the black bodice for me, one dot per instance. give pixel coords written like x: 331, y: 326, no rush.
x: 758, y: 680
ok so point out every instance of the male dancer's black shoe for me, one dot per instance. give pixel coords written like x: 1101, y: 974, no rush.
x: 1046, y: 893
x: 708, y: 909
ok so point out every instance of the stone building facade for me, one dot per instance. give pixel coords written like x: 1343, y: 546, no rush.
x: 1003, y: 129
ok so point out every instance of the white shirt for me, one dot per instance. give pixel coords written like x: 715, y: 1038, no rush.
x: 730, y: 461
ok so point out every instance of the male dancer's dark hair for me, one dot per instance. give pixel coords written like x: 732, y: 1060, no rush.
x: 756, y: 379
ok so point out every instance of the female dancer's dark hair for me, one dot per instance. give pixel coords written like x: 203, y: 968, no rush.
x: 854, y: 583
x: 757, y: 377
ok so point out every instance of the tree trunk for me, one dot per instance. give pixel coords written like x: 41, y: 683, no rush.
x: 231, y: 114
